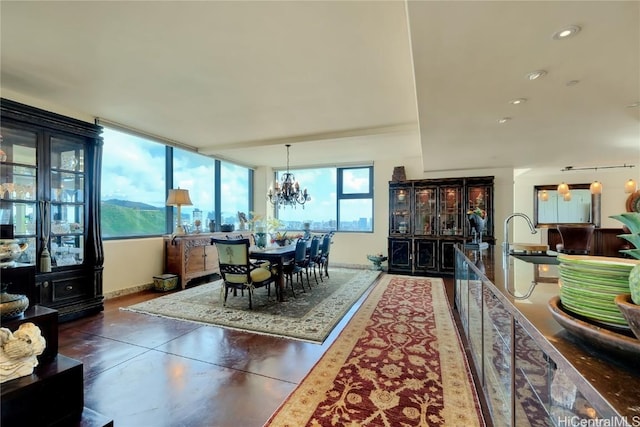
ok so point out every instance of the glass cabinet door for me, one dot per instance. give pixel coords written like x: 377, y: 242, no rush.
x: 479, y: 197
x: 67, y: 202
x: 18, y: 192
x: 450, y: 214
x: 426, y: 215
x: 400, y: 203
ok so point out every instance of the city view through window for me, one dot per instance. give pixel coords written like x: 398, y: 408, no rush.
x: 134, y: 176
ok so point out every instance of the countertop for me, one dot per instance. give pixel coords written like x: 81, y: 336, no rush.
x: 610, y: 381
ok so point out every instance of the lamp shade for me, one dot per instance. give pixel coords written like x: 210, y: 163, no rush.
x: 563, y: 188
x: 630, y: 186
x: 567, y: 196
x: 543, y: 196
x: 596, y: 187
x: 178, y: 197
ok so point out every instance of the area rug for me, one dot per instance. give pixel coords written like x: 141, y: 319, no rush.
x: 309, y: 316
x: 398, y: 362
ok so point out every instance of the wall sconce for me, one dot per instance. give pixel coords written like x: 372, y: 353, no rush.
x: 563, y: 188
x: 630, y: 186
x: 543, y: 196
x: 178, y: 197
x: 567, y: 196
x: 596, y: 187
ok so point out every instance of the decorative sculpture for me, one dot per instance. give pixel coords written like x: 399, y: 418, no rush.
x: 19, y: 351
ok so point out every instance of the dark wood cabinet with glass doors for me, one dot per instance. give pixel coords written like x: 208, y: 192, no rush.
x: 427, y: 218
x: 49, y: 204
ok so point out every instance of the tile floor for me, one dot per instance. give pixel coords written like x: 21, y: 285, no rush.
x: 147, y: 371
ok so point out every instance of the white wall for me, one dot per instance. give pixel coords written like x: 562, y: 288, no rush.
x: 131, y: 264
x: 613, y: 198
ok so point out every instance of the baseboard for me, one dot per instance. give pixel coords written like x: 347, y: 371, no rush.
x: 128, y: 291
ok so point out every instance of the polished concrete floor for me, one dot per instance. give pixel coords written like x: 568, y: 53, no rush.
x: 142, y: 370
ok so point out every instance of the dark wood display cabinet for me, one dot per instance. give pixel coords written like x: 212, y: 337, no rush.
x: 427, y: 218
x: 50, y: 177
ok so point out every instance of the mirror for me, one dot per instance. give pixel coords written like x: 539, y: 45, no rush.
x: 581, y: 209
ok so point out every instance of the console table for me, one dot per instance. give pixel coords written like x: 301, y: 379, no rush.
x: 192, y: 256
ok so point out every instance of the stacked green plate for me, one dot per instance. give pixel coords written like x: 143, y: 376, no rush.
x: 590, y: 285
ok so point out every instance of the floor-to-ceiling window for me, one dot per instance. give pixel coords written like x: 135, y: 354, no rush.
x: 137, y: 173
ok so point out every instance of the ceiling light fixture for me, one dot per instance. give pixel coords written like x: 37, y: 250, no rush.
x: 534, y: 75
x: 596, y: 187
x: 287, y: 193
x: 634, y: 105
x: 563, y: 188
x: 566, y: 32
x: 518, y: 101
x: 504, y: 120
x: 573, y: 82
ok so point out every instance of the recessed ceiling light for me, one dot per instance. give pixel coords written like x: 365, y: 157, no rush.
x: 518, y: 101
x: 534, y: 75
x: 566, y: 32
x: 573, y: 82
x: 634, y: 105
x: 504, y: 120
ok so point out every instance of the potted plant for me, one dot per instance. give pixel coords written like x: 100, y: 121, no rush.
x: 629, y: 304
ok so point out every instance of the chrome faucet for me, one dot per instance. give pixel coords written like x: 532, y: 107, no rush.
x: 506, y: 229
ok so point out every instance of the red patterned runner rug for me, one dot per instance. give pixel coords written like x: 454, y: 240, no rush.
x: 399, y: 362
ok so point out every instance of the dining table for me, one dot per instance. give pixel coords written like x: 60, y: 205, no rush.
x: 278, y: 256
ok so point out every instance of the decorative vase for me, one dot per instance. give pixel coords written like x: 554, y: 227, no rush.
x: 12, y: 305
x: 477, y: 225
x: 261, y: 240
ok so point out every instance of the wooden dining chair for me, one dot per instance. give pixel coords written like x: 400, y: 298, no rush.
x: 237, y: 270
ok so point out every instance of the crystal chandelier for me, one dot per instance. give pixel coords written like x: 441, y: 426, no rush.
x: 287, y: 192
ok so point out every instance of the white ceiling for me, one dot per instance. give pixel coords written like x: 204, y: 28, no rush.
x: 343, y: 81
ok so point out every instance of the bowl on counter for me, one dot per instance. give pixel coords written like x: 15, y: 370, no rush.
x: 630, y: 311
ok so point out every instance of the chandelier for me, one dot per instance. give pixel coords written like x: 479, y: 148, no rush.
x: 287, y: 192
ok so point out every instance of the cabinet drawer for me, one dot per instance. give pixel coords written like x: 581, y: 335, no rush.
x: 70, y: 288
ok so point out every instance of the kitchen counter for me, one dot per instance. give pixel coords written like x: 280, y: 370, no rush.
x: 519, y: 291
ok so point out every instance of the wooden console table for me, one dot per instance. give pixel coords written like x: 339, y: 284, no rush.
x: 192, y: 256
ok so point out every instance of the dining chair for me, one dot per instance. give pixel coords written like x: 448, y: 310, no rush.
x: 324, y: 253
x: 576, y: 239
x: 297, y: 265
x: 313, y: 259
x: 237, y: 270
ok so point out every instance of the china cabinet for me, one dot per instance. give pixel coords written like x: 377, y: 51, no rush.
x: 50, y: 176
x: 427, y: 218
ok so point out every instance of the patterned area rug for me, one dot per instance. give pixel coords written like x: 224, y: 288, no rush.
x: 309, y: 316
x: 399, y: 362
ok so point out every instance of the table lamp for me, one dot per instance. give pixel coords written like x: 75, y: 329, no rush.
x: 178, y: 197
